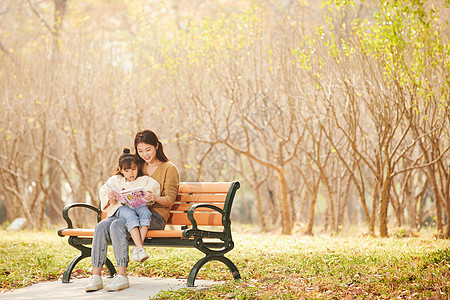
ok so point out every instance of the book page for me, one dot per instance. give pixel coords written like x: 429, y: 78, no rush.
x: 117, y: 193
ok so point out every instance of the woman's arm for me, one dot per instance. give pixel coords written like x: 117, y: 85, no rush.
x: 169, y: 188
x: 153, y: 189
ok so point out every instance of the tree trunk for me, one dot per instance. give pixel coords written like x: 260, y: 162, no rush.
x: 438, y: 206
x: 422, y: 201
x: 286, y: 224
x: 259, y: 209
x: 343, y: 204
x: 384, y: 204
x: 376, y: 192
x: 447, y: 201
x: 411, y: 205
x: 312, y: 205
x: 437, y: 200
x: 245, y: 211
x: 55, y: 202
x: 331, y: 206
x: 375, y: 197
x: 362, y: 198
x: 292, y: 205
x: 60, y: 11
x: 447, y: 231
x: 396, y: 205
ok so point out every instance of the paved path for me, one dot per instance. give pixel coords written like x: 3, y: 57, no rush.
x: 140, y: 288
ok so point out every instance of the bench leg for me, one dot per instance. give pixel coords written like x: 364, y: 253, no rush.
x: 111, y: 268
x: 77, y: 259
x: 194, y: 271
x: 71, y: 265
x: 85, y: 252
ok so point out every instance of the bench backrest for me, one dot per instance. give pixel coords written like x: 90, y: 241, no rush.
x: 220, y: 194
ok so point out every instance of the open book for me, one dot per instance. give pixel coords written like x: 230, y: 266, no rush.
x: 133, y: 197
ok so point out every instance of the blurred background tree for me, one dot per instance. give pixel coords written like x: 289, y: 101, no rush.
x: 332, y: 114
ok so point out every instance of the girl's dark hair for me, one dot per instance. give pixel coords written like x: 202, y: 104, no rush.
x: 150, y: 138
x: 126, y: 160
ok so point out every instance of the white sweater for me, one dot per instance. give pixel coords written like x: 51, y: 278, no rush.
x: 119, y: 182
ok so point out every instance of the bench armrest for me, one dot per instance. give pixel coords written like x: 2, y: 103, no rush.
x: 66, y: 209
x: 191, y: 210
x: 194, y: 231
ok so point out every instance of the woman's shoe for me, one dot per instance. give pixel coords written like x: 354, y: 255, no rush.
x: 95, y: 284
x: 119, y: 282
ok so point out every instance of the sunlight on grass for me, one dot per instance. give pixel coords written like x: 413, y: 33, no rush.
x: 271, y: 266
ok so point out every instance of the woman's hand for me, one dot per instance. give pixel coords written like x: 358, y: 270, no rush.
x: 112, y: 198
x: 150, y: 197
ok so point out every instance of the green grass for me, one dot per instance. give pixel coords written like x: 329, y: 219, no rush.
x: 272, y: 266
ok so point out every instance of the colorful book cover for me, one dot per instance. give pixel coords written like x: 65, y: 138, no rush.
x: 132, y: 197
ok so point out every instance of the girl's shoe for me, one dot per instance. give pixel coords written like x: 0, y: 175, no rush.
x: 134, y: 254
x: 142, y: 255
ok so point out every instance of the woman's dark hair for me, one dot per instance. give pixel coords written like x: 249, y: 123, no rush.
x: 150, y: 138
x: 126, y: 160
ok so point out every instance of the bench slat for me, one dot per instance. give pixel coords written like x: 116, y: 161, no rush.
x: 201, y: 198
x: 203, y: 219
x: 151, y: 233
x: 204, y: 187
x: 183, y: 207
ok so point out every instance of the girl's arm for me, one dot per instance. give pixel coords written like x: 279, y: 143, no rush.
x: 107, y: 198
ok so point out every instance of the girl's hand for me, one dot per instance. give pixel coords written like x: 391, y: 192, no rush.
x: 112, y: 199
x: 150, y: 197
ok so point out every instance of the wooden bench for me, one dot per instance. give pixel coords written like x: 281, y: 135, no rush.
x: 197, y: 204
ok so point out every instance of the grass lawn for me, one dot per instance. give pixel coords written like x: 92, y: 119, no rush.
x: 272, y: 266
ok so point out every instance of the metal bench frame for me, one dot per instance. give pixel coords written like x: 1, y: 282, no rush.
x: 214, y: 244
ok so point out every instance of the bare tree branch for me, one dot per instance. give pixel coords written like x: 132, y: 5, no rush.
x: 34, y: 9
x: 421, y: 166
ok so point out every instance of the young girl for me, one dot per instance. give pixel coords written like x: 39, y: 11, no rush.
x: 128, y: 176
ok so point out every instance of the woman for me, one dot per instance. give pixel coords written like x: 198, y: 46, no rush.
x: 154, y: 163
